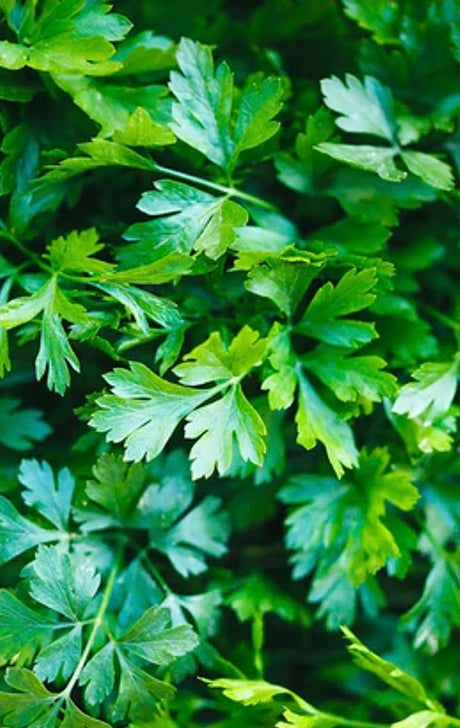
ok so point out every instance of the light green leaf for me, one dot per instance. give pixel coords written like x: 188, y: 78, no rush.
x: 141, y: 131
x: 212, y: 361
x: 320, y: 720
x: 25, y: 426
x: 111, y: 105
x: 281, y: 385
x: 378, y: 16
x: 257, y: 595
x: 74, y: 253
x: 372, y: 159
x: 430, y: 169
x: 143, y: 410
x: 220, y: 426
x: 432, y: 394
x: 13, y: 55
x: 423, y: 719
x: 257, y: 105
x: 247, y: 692
x: 316, y: 421
x: 386, y: 671
x: 101, y: 153
x: 365, y: 108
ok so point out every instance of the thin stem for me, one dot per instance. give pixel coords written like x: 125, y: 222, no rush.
x: 98, y: 620
x: 230, y: 191
x: 28, y: 253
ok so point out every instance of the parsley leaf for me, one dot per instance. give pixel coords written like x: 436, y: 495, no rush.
x: 367, y: 108
x: 431, y: 395
x: 25, y: 426
x: 338, y: 529
x: 155, y: 406
x: 204, y: 115
x: 186, y: 219
x: 55, y: 352
x: 323, y: 317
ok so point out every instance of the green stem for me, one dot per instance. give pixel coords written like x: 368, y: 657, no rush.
x: 28, y: 253
x: 98, y: 620
x: 258, y: 639
x: 230, y: 191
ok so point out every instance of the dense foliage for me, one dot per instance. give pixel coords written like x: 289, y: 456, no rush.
x: 229, y: 349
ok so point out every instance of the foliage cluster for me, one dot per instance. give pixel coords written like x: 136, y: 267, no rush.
x: 229, y: 358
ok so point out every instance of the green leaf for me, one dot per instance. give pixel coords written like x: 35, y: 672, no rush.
x: 204, y: 116
x: 219, y: 426
x: 257, y: 595
x: 65, y: 583
x: 365, y: 108
x: 351, y: 378
x: 430, y: 169
x: 20, y: 626
x: 319, y: 720
x: 140, y: 693
x: 247, y: 692
x: 98, y: 675
x: 303, y: 171
x: 339, y: 531
x: 141, y: 131
x: 143, y: 410
x: 74, y: 253
x: 145, y: 52
x: 372, y: 159
x: 282, y: 281
x: 116, y: 486
x: 152, y: 638
x: 144, y: 306
x: 112, y: 107
x: 386, y: 671
x: 55, y: 352
x: 281, y: 385
x: 51, y: 498
x: 101, y: 153
x: 25, y: 426
x: 433, y: 392
x: 186, y: 219
x: 18, y: 534
x: 13, y: 55
x: 323, y: 316
x: 212, y: 361
x: 377, y: 16
x: 186, y: 538
x: 433, y: 616
x: 32, y: 706
x: 316, y: 421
